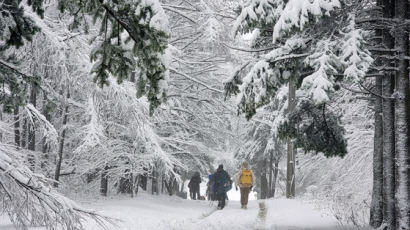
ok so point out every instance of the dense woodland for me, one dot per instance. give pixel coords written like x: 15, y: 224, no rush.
x: 108, y: 97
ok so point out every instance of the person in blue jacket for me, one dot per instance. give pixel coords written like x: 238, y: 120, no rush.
x: 223, y: 183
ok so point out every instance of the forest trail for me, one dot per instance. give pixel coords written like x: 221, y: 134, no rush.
x: 165, y: 213
x: 148, y: 212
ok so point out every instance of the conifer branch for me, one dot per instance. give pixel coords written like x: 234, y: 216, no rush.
x: 250, y: 50
x: 195, y: 80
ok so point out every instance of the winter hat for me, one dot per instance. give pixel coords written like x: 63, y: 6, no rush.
x: 220, y: 167
x: 245, y: 165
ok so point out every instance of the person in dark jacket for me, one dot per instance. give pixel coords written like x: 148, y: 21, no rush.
x: 223, y: 184
x: 209, y: 187
x: 194, y: 185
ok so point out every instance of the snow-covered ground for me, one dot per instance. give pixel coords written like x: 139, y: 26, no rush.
x: 165, y: 213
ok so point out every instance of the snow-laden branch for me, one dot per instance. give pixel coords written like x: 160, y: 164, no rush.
x: 195, y: 80
x: 36, y: 117
x: 28, y: 198
x: 250, y: 50
x: 179, y: 13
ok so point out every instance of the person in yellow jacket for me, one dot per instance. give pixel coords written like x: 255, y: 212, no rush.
x: 245, y: 180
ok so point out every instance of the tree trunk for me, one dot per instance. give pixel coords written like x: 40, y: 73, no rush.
x: 376, y: 209
x: 135, y: 182
x: 388, y: 153
x: 23, y: 138
x: 44, y: 146
x: 168, y: 187
x: 154, y: 183
x: 182, y: 186
x: 125, y: 184
x: 401, y: 119
x: 16, y: 127
x: 290, y: 169
x: 275, y: 178
x: 270, y: 192
x: 32, y: 130
x: 143, y: 182
x: 264, y: 181
x: 1, y: 119
x: 61, y: 142
x: 104, y: 182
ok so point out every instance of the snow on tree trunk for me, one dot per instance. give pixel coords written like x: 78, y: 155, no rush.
x: 61, y: 142
x: 16, y: 126
x: 290, y: 170
x: 376, y: 209
x: 31, y: 130
x: 388, y: 152
x: 402, y: 120
x: 45, y: 148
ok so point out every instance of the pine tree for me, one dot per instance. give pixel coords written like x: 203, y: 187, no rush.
x: 133, y: 36
x: 303, y: 53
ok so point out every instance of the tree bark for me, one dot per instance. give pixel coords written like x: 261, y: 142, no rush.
x: 1, y: 119
x: 23, y: 138
x: 264, y: 181
x: 402, y: 119
x: 143, y: 182
x: 32, y: 130
x: 376, y: 208
x: 388, y: 153
x: 126, y: 184
x: 275, y: 178
x: 61, y: 142
x: 182, y: 186
x: 16, y: 127
x: 388, y: 157
x: 168, y: 187
x: 290, y: 169
x: 104, y: 182
x: 270, y: 174
x: 44, y: 146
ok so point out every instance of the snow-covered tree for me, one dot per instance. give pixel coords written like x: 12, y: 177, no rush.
x: 299, y: 49
x: 132, y: 34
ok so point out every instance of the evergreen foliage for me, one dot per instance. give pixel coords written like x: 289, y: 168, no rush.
x: 131, y: 32
x: 15, y: 28
x: 315, y: 129
x: 297, y: 42
x: 302, y: 45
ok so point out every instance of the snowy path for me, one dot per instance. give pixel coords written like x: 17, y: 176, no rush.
x: 165, y: 213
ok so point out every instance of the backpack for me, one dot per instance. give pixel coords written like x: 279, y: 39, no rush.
x: 246, y: 177
x: 222, y: 182
x: 228, y: 185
